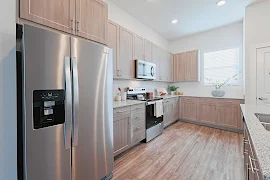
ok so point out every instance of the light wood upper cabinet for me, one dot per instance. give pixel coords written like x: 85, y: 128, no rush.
x: 147, y: 50
x: 156, y: 54
x: 186, y: 67
x: 192, y: 66
x: 138, y: 47
x: 180, y: 67
x: 113, y: 42
x: 57, y: 14
x: 92, y: 20
x: 126, y: 61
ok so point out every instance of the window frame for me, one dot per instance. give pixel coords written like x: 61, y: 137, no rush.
x: 239, y: 65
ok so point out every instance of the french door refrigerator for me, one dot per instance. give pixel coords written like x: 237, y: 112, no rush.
x: 67, y: 107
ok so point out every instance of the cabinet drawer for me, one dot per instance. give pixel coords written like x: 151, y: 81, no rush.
x: 193, y: 99
x: 122, y: 112
x: 138, y: 117
x: 136, y: 138
x: 228, y: 101
x: 137, y: 127
x: 207, y: 100
x: 136, y: 108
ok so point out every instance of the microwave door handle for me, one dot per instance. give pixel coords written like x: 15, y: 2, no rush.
x: 75, y: 118
x: 152, y: 71
x: 68, y: 103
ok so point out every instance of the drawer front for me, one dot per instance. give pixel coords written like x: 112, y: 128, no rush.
x: 228, y: 101
x: 138, y: 117
x: 208, y: 100
x: 136, y: 138
x: 137, y: 127
x: 122, y: 112
x: 168, y: 101
x: 193, y: 99
x: 136, y: 108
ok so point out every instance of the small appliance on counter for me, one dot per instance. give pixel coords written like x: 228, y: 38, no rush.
x: 154, y: 118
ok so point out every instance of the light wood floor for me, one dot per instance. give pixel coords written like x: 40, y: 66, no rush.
x: 185, y: 152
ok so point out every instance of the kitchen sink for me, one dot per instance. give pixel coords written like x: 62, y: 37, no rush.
x: 264, y: 119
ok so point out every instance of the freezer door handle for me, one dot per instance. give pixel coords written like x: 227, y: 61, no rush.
x: 68, y: 104
x: 75, y: 102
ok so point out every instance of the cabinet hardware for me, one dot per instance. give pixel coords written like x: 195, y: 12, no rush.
x: 78, y: 26
x: 262, y: 98
x: 121, y: 111
x: 72, y: 25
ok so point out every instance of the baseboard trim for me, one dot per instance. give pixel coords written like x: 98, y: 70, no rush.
x: 212, y: 126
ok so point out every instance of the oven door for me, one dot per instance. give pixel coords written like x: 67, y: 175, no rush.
x: 145, y: 70
x: 151, y: 119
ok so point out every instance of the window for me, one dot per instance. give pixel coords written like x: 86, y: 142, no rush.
x: 221, y: 66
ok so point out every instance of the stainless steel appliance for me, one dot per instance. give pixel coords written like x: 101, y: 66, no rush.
x: 67, y: 107
x: 145, y: 70
x: 154, y: 125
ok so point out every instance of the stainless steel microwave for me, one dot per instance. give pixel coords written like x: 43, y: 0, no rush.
x: 145, y: 70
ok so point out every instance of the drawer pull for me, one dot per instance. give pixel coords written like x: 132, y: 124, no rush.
x: 251, y: 165
x: 121, y: 111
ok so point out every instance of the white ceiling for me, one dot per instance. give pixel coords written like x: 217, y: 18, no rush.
x: 193, y: 16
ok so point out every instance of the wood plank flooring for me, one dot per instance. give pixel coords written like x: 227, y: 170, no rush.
x: 185, y: 152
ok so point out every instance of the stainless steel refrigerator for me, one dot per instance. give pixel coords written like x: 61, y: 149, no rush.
x: 67, y: 107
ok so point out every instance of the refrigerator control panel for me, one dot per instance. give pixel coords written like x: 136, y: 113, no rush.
x: 48, y: 108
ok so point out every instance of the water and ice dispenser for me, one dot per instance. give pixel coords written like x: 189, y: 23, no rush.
x: 49, y: 108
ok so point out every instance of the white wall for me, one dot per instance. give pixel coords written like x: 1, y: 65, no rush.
x: 230, y: 36
x: 257, y: 31
x: 124, y: 19
x: 8, y: 119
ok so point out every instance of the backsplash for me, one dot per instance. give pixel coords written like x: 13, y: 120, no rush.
x: 149, y: 85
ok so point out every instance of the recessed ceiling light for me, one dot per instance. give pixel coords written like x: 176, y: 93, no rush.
x: 221, y: 2
x: 174, y: 21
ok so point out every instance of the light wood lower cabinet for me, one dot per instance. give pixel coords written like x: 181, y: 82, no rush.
x: 170, y: 111
x: 207, y: 112
x: 220, y: 113
x: 129, y: 127
x: 189, y: 108
x: 121, y: 129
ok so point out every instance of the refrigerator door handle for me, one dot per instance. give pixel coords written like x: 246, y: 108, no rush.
x: 75, y: 102
x: 68, y: 104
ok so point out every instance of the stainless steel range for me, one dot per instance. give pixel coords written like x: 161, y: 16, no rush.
x: 154, y: 124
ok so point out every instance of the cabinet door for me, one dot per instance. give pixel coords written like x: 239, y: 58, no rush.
x: 179, y: 67
x: 138, y: 47
x: 189, y: 108
x: 156, y: 60
x: 126, y: 62
x: 191, y: 73
x: 168, y: 114
x: 207, y: 113
x: 121, y: 134
x: 228, y: 115
x: 170, y: 67
x: 92, y: 20
x: 147, y: 50
x: 58, y: 14
x: 175, y: 109
x: 113, y: 36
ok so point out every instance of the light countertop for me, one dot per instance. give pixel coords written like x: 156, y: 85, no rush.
x: 117, y: 104
x: 260, y: 137
x: 224, y: 97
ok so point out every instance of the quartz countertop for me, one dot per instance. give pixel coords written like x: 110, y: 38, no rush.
x: 117, y: 104
x: 225, y: 97
x: 260, y: 137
